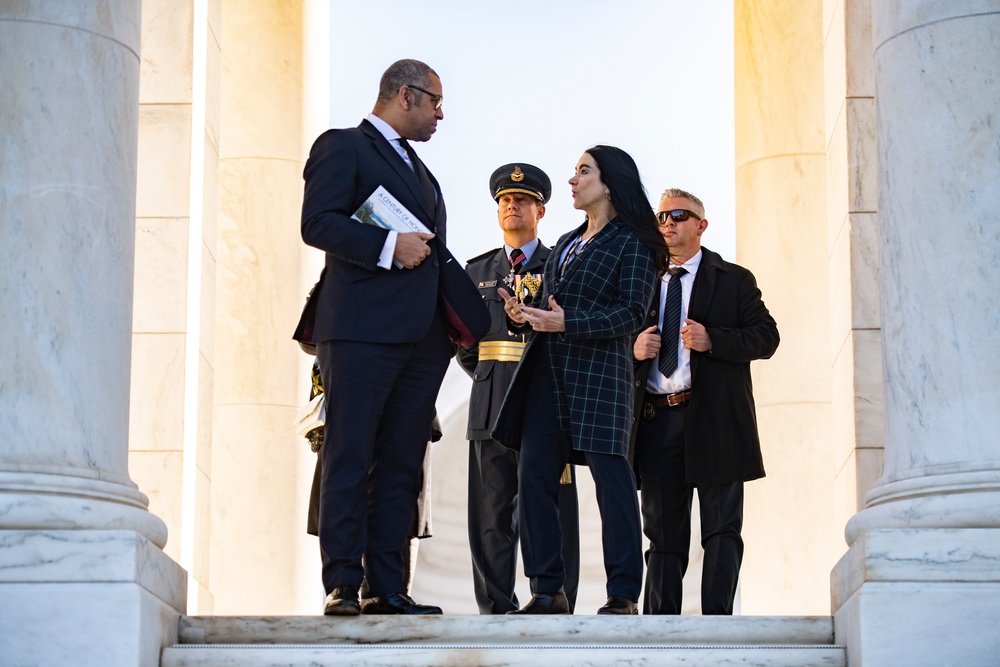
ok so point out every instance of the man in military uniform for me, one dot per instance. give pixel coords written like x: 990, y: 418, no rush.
x: 521, y: 191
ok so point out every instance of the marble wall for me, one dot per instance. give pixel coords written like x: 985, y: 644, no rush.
x: 782, y: 237
x: 173, y: 321
x: 852, y: 220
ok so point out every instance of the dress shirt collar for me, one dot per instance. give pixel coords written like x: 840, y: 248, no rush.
x: 384, y: 128
x: 691, y: 266
x: 528, y: 249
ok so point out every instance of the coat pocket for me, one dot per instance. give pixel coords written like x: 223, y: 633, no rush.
x: 482, y: 394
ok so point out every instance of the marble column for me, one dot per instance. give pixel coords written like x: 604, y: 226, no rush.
x: 920, y: 583
x: 261, y: 470
x: 80, y: 555
x: 791, y: 539
x: 173, y: 324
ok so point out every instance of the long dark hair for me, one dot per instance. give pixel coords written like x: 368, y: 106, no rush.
x: 621, y: 176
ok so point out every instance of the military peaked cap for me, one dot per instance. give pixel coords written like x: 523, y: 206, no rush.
x: 521, y: 177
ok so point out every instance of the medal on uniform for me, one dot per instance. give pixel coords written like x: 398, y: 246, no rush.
x: 530, y: 284
x: 523, y: 286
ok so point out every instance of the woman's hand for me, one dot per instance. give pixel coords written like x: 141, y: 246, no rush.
x: 553, y: 320
x: 512, y: 307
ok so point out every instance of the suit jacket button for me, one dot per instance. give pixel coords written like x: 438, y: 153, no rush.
x: 436, y: 264
x: 636, y: 384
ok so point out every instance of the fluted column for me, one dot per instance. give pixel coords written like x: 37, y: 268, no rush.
x: 926, y: 548
x: 76, y: 541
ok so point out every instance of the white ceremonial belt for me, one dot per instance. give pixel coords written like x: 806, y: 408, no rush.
x: 500, y: 350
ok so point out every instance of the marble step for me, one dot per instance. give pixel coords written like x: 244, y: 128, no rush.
x: 580, y: 655
x: 228, y: 641
x: 457, y: 629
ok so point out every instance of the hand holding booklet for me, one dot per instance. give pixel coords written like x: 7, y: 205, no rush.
x: 382, y: 210
x: 465, y: 314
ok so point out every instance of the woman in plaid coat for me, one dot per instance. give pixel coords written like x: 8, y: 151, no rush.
x: 571, y: 396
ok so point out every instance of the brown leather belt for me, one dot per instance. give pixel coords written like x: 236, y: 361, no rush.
x: 669, y: 400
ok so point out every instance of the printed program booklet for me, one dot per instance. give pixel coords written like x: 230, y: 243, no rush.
x: 382, y: 210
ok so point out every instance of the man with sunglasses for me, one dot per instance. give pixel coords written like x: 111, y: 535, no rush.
x: 381, y: 338
x: 696, y: 427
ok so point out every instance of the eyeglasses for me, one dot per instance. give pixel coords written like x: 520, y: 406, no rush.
x: 677, y: 215
x: 438, y: 100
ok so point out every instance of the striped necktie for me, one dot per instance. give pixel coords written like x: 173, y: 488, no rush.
x: 670, y: 332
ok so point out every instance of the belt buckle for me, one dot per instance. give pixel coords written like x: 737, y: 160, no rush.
x: 678, y: 398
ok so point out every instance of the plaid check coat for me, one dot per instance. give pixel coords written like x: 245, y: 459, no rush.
x: 605, y: 293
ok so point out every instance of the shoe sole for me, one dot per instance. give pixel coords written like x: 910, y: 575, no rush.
x: 337, y: 611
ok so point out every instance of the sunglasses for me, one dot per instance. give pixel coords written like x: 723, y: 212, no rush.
x: 677, y: 215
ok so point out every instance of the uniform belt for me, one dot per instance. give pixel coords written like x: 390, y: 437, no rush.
x: 669, y: 400
x: 500, y: 350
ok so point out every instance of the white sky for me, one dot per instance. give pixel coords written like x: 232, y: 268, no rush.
x: 540, y: 82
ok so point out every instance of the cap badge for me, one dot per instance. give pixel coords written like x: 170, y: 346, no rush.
x: 517, y: 176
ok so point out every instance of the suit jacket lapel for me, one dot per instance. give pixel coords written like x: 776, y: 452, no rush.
x: 556, y: 255
x: 608, y: 231
x: 701, y: 296
x: 408, y: 176
x: 537, y: 261
x: 704, y: 286
x: 501, y: 265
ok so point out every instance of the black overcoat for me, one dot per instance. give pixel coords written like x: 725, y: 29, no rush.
x: 721, y: 443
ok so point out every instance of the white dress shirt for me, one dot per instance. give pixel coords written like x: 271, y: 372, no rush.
x: 680, y: 379
x: 393, y: 137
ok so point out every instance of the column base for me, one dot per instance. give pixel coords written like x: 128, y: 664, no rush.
x: 75, y: 499
x: 928, y: 596
x: 87, y: 597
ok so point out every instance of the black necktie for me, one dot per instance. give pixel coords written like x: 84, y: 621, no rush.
x: 421, y: 171
x: 516, y: 260
x: 670, y: 332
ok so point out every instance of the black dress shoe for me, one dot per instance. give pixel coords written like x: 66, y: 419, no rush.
x: 396, y: 603
x: 545, y: 603
x: 343, y: 601
x: 617, y: 605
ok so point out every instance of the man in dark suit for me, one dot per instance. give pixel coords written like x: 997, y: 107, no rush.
x: 381, y: 338
x: 696, y: 425
x: 521, y: 191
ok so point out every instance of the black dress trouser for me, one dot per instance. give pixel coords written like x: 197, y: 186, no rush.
x: 494, y: 530
x: 545, y: 450
x: 380, y: 404
x: 666, y: 520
